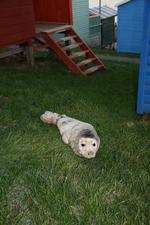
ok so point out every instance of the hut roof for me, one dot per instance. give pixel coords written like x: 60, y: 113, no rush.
x: 104, y: 12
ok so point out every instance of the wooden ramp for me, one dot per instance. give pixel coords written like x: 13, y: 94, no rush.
x: 70, y: 48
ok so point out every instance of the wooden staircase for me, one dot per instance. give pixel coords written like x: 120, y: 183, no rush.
x: 72, y: 50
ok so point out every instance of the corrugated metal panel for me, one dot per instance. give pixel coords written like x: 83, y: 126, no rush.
x: 95, y: 31
x: 103, y: 29
x: 143, y: 105
x: 81, y: 18
x: 130, y: 26
x: 108, y: 31
x: 95, y: 25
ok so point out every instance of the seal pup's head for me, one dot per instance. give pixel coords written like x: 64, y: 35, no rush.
x: 88, y: 144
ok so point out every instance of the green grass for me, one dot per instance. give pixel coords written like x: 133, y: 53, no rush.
x: 42, y: 181
x: 114, y: 53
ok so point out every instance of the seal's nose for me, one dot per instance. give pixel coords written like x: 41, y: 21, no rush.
x: 90, y: 153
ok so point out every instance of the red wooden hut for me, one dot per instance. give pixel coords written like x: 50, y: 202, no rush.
x: 57, y: 11
x: 16, y: 21
x: 21, y: 21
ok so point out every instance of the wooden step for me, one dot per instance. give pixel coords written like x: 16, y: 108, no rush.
x: 40, y: 40
x: 72, y: 46
x: 93, y: 69
x: 46, y: 28
x: 78, y: 54
x: 86, y: 61
x: 68, y: 38
x: 65, y: 29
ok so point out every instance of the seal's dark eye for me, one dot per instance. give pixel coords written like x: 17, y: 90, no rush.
x: 94, y: 144
x: 83, y: 145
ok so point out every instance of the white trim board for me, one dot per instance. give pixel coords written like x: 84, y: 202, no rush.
x: 122, y: 2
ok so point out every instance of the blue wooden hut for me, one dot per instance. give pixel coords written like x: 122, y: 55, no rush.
x: 130, y: 25
x: 143, y: 105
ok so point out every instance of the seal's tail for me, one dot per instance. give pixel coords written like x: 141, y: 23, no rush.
x: 50, y: 117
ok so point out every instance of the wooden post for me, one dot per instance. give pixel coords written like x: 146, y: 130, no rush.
x: 29, y: 53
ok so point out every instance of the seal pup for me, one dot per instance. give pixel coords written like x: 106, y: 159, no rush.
x: 81, y: 136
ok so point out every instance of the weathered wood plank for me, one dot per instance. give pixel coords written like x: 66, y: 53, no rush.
x: 10, y: 53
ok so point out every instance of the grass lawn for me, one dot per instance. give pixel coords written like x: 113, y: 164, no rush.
x: 99, y: 51
x: 42, y: 182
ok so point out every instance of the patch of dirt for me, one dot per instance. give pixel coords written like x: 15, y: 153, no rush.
x: 145, y: 119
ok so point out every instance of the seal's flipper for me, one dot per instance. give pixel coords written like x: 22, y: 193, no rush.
x: 50, y: 117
